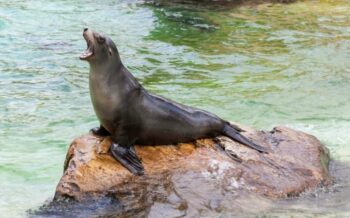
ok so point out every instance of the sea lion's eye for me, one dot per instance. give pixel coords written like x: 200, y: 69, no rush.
x: 101, y: 39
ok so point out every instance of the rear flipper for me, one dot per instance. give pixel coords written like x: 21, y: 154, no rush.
x: 234, y: 134
x: 127, y: 157
x: 228, y: 152
x: 239, y: 129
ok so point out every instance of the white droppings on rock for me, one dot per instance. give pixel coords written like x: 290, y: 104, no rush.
x: 234, y: 183
x: 217, y: 169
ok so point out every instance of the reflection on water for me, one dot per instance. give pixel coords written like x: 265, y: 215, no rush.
x: 325, y: 202
x: 260, y: 65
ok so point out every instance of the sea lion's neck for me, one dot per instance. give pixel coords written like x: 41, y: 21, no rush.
x: 105, y: 69
x: 114, y: 72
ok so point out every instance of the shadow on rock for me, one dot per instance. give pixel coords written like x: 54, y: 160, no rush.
x: 67, y: 207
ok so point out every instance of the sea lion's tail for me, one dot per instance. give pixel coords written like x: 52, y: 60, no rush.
x: 235, y: 135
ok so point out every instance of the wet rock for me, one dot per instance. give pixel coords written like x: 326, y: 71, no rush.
x: 196, y: 179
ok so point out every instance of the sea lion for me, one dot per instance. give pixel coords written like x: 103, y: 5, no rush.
x: 132, y: 115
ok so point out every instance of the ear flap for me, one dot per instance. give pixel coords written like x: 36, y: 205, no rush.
x: 110, y: 51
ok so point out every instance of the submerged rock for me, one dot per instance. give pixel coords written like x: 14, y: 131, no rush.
x: 196, y: 178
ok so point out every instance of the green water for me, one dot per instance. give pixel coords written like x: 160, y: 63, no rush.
x: 263, y: 66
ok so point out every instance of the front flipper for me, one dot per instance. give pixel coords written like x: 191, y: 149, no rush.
x: 100, y: 131
x: 127, y: 157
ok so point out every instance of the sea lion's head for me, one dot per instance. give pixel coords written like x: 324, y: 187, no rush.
x: 100, y: 48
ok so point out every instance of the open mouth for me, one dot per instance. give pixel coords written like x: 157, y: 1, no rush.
x: 89, y: 52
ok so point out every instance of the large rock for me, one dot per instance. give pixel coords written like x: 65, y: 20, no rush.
x: 188, y: 178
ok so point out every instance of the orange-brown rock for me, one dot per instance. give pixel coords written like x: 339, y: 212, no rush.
x: 196, y: 175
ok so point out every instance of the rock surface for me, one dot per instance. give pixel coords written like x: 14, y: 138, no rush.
x: 188, y: 178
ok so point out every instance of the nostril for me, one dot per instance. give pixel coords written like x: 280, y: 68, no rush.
x: 85, y: 29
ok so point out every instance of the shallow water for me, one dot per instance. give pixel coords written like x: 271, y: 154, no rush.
x: 263, y: 66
